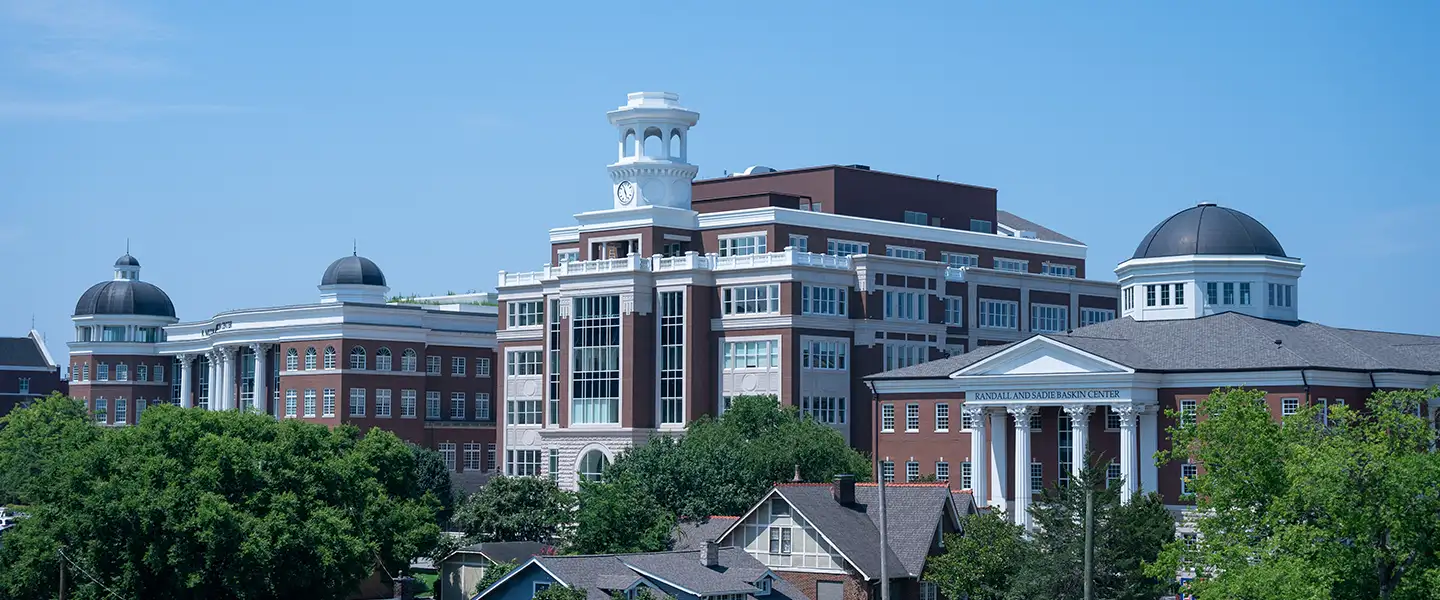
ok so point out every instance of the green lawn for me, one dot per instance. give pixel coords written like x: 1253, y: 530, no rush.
x: 427, y: 584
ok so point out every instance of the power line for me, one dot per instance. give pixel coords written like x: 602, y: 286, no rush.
x: 87, y: 574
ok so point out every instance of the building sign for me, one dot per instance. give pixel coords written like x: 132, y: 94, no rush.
x: 218, y: 327
x: 1046, y: 395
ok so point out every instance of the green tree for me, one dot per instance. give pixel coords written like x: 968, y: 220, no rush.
x: 1125, y: 535
x: 432, y: 475
x: 721, y: 466
x: 493, y: 573
x: 193, y: 504
x: 35, y: 443
x: 980, y: 563
x: 560, y: 592
x: 515, y: 509
x: 1344, y: 505
x: 617, y: 516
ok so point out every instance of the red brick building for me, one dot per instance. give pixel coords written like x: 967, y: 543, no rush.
x: 682, y: 294
x: 1210, y: 299
x: 27, y: 372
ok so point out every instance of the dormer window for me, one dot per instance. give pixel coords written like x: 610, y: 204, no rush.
x: 762, y: 587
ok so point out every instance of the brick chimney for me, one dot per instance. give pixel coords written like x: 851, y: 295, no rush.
x: 710, y: 554
x: 844, y: 489
x: 403, y: 589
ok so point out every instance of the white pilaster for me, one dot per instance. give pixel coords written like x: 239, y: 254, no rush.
x: 262, y: 378
x: 1021, y: 413
x: 212, y: 391
x: 1128, y: 414
x: 227, y: 378
x: 1024, y: 307
x: 186, y: 399
x: 997, y: 460
x: 979, y: 474
x: 1079, y: 436
x: 1149, y: 444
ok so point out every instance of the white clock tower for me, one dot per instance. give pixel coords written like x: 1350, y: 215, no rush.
x: 661, y: 176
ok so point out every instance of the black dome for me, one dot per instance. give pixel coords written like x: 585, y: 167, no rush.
x: 353, y: 270
x: 125, y: 297
x: 127, y: 261
x: 1209, y: 229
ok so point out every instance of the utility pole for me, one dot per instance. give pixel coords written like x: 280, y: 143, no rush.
x: 1089, y: 539
x: 61, y: 554
x: 884, y: 539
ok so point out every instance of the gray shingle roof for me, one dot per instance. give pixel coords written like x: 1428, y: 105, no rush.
x: 509, y: 552
x: 693, y: 535
x: 21, y: 352
x: 1224, y: 342
x: 912, y: 512
x: 598, y: 574
x: 1042, y: 232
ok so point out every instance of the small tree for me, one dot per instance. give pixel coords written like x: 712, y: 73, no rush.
x: 492, y: 574
x: 618, y: 516
x: 515, y: 509
x: 981, y: 562
x: 560, y: 592
x: 433, y: 476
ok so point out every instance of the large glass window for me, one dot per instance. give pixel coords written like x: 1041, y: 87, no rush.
x: 999, y: 314
x: 553, y: 340
x: 407, y: 404
x: 1066, y: 447
x: 959, y: 260
x: 750, y: 299
x: 310, y: 403
x: 592, y: 465
x: 1049, y: 318
x: 955, y: 311
x: 1058, y: 270
x: 447, y: 454
x: 328, y: 402
x: 907, y: 305
x: 846, y: 247
x: 820, y: 300
x: 472, y: 456
x: 382, y: 403
x: 527, y: 313
x: 898, y: 355
x: 824, y: 355
x: 357, y: 402
x: 825, y: 409
x: 523, y: 362
x: 757, y: 354
x: 457, y: 406
x: 458, y: 367
x: 432, y: 406
x: 522, y: 463
x: 905, y: 252
x: 291, y: 402
x: 482, y: 406
x: 595, y: 364
x: 743, y: 245
x: 1091, y: 316
x: 1010, y: 264
x: 672, y: 357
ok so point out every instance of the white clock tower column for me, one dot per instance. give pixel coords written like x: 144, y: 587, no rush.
x: 662, y: 176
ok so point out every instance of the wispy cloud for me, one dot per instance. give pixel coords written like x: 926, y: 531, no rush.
x: 79, y: 38
x: 106, y: 110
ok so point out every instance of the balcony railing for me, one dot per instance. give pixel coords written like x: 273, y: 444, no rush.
x: 690, y: 261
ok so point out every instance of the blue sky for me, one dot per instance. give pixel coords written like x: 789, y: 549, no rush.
x: 242, y: 146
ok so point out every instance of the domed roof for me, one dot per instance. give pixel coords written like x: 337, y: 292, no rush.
x: 353, y: 270
x: 125, y: 297
x: 1209, y: 229
x: 127, y: 261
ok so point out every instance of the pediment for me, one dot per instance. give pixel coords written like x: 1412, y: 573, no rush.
x: 1042, y: 356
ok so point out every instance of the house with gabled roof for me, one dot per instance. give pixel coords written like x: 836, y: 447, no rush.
x: 825, y: 538
x: 707, y: 573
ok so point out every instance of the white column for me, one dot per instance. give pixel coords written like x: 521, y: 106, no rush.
x: 186, y: 401
x: 262, y: 378
x: 979, y: 474
x: 1079, y: 436
x: 1149, y: 444
x: 997, y: 459
x: 1021, y: 414
x: 227, y: 378
x: 212, y: 394
x: 1127, y: 413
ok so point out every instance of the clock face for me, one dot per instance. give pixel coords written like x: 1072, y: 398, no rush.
x: 625, y: 192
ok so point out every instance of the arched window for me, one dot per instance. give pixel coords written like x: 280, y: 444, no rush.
x: 654, y: 143
x: 382, y: 359
x: 675, y: 143
x: 357, y: 358
x: 310, y: 359
x: 592, y: 465
x: 629, y: 142
x: 408, y: 361
x: 292, y: 360
x: 329, y: 357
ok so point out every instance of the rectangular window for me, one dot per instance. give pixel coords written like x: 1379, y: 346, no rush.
x: 291, y: 400
x: 1112, y: 474
x: 1281, y: 295
x: 981, y: 225
x: 142, y: 373
x: 907, y: 306
x: 482, y: 367
x: 1130, y: 298
x: 328, y: 402
x: 122, y: 372
x: 759, y: 354
x: 432, y: 365
x: 672, y: 357
x: 310, y: 403
x: 113, y: 334
x: 102, y: 411
x: 1244, y: 293
x: 1049, y: 318
x: 942, y: 471
x: 1164, y: 294
x: 1091, y: 316
x: 1187, y: 476
x: 1112, y: 419
x: 1058, y: 270
x: 1289, y: 406
x: 750, y: 299
x: 1179, y: 293
x: 1229, y: 297
x: 552, y: 345
x: 457, y: 367
x: 966, y: 477
x: 567, y: 255
x: 899, y: 356
x: 912, y: 417
x: 524, y: 362
x: 524, y: 313
x: 824, y: 356
x: 887, y: 417
x: 905, y: 252
x: 1212, y: 293
x: 357, y: 402
x: 432, y: 406
x: 1187, y: 412
x: 122, y: 406
x: 472, y: 456
x: 800, y: 243
x: 1066, y: 446
x: 743, y: 245
x: 24, y: 385
x: 554, y: 464
x: 916, y: 218
x: 595, y: 359
x: 942, y: 417
x: 955, y: 311
x: 482, y: 406
x: 846, y: 248
x: 958, y: 260
x: 824, y: 409
x: 407, y: 404
x: 447, y: 453
x: 382, y: 403
x: 457, y: 406
x: 780, y: 539
x: 1037, y: 477
x: 818, y: 300
x: 912, y: 471
x: 1150, y: 295
x: 965, y: 421
x: 887, y: 471
x: 490, y: 457
x: 999, y: 314
x: 1010, y: 264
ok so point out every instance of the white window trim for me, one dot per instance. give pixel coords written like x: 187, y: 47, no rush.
x: 719, y: 241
